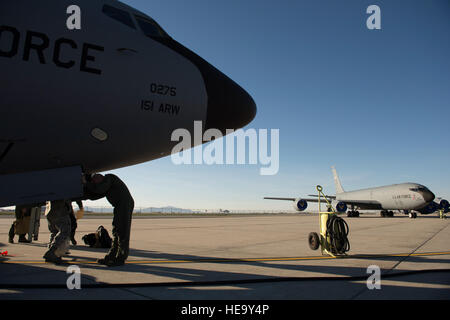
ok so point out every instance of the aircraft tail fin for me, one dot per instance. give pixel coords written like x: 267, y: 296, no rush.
x: 337, y: 182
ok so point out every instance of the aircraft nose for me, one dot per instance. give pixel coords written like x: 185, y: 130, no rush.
x: 229, y: 106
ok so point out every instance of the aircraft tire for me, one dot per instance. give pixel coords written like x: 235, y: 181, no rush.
x: 313, y: 241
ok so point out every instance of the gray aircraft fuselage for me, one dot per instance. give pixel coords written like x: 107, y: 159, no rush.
x: 404, y: 196
x: 100, y: 98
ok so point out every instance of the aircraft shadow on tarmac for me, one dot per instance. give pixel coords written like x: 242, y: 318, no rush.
x: 411, y: 286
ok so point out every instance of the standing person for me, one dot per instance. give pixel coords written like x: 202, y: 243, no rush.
x: 22, y: 224
x: 58, y: 217
x: 117, y: 193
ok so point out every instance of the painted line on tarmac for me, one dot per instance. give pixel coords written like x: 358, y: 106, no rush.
x: 236, y: 260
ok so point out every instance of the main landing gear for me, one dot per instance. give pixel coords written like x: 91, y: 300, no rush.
x: 386, y: 213
x: 352, y: 213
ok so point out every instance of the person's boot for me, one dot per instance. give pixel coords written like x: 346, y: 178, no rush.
x: 121, y: 255
x: 11, y: 234
x: 23, y: 239
x: 111, y: 255
x: 72, y: 239
x: 50, y: 256
x: 115, y: 261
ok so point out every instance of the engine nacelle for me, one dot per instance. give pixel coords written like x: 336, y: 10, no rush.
x: 429, y: 208
x: 341, y: 207
x: 444, y: 205
x: 300, y: 204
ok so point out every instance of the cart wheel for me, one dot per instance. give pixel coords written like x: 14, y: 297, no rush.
x: 313, y: 240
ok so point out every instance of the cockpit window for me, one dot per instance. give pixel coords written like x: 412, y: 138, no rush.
x: 417, y: 189
x: 150, y: 27
x: 119, y: 15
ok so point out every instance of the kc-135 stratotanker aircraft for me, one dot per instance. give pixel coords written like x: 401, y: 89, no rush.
x: 105, y: 96
x: 408, y: 198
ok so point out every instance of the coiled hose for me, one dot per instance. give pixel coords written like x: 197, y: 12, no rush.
x: 337, y: 232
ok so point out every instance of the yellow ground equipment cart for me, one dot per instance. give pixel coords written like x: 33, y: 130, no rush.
x: 333, y: 230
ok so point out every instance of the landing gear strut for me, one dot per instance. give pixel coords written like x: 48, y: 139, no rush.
x: 386, y: 213
x: 412, y: 215
x: 352, y: 213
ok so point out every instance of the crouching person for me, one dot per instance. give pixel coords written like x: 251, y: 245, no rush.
x: 58, y: 217
x: 118, y: 195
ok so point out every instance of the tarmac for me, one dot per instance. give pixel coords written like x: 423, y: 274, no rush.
x: 248, y: 257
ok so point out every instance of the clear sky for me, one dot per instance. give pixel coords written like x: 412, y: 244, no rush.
x: 375, y: 103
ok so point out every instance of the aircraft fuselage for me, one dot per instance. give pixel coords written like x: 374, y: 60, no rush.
x: 392, y: 197
x: 106, y: 96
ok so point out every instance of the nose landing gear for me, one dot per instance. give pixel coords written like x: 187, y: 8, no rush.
x: 412, y: 215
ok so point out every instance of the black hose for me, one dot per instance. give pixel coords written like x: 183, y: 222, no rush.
x: 337, y: 232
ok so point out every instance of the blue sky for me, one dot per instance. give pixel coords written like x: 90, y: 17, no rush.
x: 375, y: 103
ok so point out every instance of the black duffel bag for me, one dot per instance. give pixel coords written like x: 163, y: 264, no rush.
x: 98, y: 239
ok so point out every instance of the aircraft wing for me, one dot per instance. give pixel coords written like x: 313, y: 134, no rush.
x: 317, y: 200
x: 327, y: 196
x: 273, y: 198
x: 293, y: 199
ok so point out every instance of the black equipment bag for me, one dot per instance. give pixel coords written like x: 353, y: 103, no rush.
x: 99, y: 239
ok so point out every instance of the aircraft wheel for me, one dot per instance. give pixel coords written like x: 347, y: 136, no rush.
x: 356, y: 213
x: 350, y: 214
x: 314, y: 241
x: 382, y: 213
x: 414, y: 215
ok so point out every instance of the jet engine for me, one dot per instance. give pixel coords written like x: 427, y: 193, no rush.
x: 429, y: 208
x: 341, y: 207
x: 444, y: 205
x: 300, y: 204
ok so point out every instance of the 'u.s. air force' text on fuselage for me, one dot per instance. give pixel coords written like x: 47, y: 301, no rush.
x: 39, y: 43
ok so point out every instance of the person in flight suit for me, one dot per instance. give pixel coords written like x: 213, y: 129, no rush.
x: 117, y: 193
x: 22, y: 224
x: 58, y: 217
